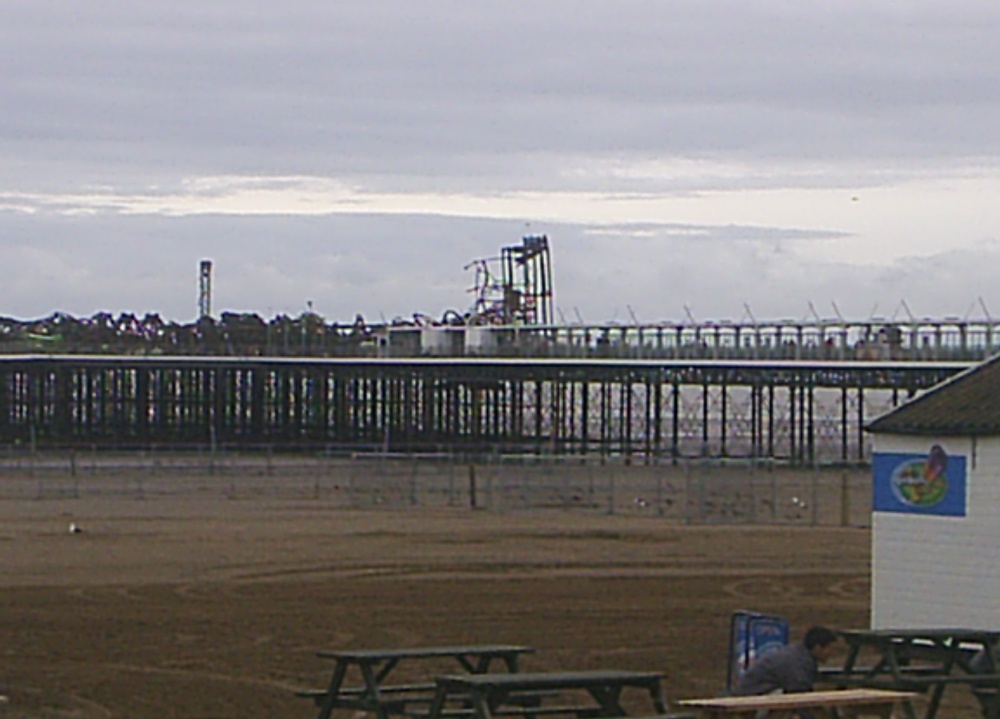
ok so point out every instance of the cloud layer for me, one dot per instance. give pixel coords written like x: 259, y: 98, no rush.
x: 699, y: 154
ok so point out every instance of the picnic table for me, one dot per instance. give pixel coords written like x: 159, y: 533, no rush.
x: 921, y: 660
x: 483, y: 696
x: 862, y: 702
x: 371, y: 670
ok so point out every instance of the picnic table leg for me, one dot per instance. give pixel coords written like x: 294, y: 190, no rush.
x: 883, y: 711
x: 938, y: 692
x: 482, y: 665
x: 852, y: 657
x: 481, y: 705
x: 908, y: 709
x: 511, y: 660
x: 991, y: 706
x: 384, y: 671
x: 371, y: 692
x: 326, y: 707
x: 437, y: 705
x: 608, y: 697
x: 659, y: 700
x: 935, y: 702
x: 893, y: 659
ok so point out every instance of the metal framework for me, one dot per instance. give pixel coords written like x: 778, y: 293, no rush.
x: 796, y: 411
x: 522, y: 294
x: 527, y: 282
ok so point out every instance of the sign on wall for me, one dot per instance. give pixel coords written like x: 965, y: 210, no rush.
x: 932, y: 483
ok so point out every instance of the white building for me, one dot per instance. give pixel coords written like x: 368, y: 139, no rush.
x: 936, y: 526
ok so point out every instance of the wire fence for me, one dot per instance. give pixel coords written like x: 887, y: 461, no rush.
x: 688, y: 491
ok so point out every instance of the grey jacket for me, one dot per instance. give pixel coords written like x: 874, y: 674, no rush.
x: 791, y: 669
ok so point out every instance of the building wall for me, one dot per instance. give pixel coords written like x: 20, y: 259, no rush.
x: 940, y: 571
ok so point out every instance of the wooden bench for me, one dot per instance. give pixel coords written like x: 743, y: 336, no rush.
x: 989, y: 701
x: 833, y: 674
x: 318, y: 694
x: 582, y: 711
x: 373, y: 667
x: 923, y: 659
x: 873, y: 702
x: 405, y: 698
x: 985, y: 688
x: 488, y: 695
x: 914, y: 681
x: 579, y: 710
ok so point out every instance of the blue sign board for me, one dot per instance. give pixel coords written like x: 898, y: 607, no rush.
x: 932, y: 483
x: 751, y: 635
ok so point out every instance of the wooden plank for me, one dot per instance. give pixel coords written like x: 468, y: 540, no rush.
x: 834, y: 673
x: 550, y: 680
x: 424, y: 687
x: 500, y: 691
x: 915, y: 681
x: 882, y: 682
x: 425, y: 652
x: 588, y: 710
x: 984, y: 680
x: 803, y: 700
x: 517, y: 711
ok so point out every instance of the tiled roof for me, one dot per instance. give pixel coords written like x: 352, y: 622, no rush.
x: 966, y: 404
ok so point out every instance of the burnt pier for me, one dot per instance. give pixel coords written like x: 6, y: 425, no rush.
x: 798, y: 411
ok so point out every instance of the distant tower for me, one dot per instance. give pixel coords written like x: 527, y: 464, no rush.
x: 205, y: 289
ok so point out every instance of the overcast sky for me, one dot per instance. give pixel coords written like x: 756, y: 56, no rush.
x: 712, y: 157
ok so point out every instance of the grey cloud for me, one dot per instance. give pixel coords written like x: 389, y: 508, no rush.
x: 475, y: 90
x: 711, y: 233
x: 386, y: 267
x: 486, y: 98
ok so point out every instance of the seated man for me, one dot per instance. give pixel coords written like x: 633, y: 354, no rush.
x: 792, y: 668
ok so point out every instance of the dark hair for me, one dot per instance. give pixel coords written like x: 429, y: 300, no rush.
x: 819, y: 637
